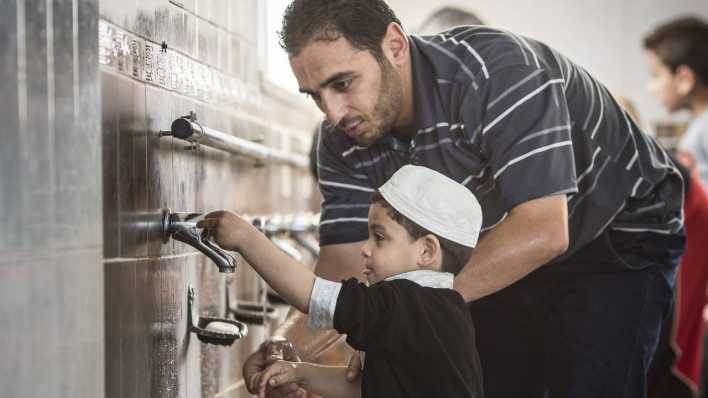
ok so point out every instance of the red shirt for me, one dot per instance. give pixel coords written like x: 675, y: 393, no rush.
x: 693, y: 277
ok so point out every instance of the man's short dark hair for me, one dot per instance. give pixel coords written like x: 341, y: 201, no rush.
x: 683, y: 41
x: 454, y: 255
x: 362, y: 22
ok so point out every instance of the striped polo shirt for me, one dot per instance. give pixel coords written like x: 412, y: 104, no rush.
x: 512, y: 120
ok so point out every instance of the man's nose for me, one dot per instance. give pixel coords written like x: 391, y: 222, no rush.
x: 335, y: 109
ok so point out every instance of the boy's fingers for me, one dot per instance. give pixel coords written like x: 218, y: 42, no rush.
x: 208, y: 223
x: 283, y: 378
x: 268, y: 379
x: 216, y: 214
x: 290, y: 390
x: 298, y: 393
x: 255, y: 382
x: 265, y: 378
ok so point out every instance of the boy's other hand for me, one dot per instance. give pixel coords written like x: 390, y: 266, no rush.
x: 280, y: 373
x: 259, y: 361
x: 226, y: 228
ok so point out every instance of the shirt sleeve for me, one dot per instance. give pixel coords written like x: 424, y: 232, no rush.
x: 524, y: 132
x: 346, y: 193
x: 368, y: 315
x: 323, y: 301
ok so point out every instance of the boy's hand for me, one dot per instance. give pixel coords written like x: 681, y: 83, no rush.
x: 269, y: 351
x: 227, y: 229
x: 278, y: 374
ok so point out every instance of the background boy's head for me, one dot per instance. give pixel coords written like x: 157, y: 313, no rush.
x: 678, y: 57
x: 420, y: 219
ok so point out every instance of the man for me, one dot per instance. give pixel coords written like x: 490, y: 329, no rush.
x: 582, y: 212
x: 678, y: 56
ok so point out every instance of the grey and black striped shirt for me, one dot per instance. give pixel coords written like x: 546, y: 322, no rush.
x: 513, y: 120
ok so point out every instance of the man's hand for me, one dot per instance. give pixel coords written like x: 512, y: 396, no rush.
x: 272, y: 350
x: 226, y: 228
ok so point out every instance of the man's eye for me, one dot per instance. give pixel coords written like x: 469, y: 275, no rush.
x: 378, y: 237
x: 342, y: 84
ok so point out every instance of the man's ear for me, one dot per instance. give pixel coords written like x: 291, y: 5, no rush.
x: 685, y: 79
x: 431, y: 252
x: 395, y: 44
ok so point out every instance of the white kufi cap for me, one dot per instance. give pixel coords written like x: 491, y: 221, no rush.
x: 435, y: 202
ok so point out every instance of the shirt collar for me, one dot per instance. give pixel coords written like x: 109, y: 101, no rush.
x: 426, y: 278
x: 423, y: 82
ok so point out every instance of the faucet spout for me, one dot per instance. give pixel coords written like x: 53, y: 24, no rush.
x: 183, y: 227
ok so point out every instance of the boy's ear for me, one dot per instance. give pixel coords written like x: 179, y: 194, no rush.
x: 431, y: 254
x: 685, y: 80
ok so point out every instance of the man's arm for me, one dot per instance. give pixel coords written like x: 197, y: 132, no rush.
x: 533, y: 233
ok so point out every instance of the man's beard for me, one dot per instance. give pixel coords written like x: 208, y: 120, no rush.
x: 390, y: 99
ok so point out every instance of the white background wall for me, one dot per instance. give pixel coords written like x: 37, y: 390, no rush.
x: 604, y: 36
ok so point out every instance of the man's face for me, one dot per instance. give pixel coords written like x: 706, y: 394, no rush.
x: 389, y: 249
x: 356, y: 93
x: 664, y: 84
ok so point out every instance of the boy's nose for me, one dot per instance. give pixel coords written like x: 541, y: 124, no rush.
x: 365, y: 250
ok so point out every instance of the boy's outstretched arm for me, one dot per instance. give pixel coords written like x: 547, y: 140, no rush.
x: 326, y: 381
x: 291, y: 279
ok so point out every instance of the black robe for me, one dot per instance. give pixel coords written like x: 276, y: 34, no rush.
x: 419, y: 341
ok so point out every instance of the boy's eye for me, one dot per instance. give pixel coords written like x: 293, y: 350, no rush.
x: 378, y: 237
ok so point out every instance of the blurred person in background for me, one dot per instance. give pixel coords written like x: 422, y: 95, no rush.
x: 676, y: 367
x: 677, y: 53
x: 447, y: 18
x: 678, y: 56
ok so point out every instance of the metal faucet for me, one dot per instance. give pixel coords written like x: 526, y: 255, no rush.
x: 271, y: 227
x: 183, y: 227
x: 296, y: 227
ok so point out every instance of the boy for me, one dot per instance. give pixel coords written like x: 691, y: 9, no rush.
x: 678, y: 56
x: 413, y: 327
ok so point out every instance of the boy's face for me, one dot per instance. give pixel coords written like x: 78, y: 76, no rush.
x: 665, y: 84
x: 389, y: 249
x: 354, y: 91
